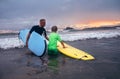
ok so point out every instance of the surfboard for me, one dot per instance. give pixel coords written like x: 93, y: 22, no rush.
x: 74, y: 52
x: 36, y: 43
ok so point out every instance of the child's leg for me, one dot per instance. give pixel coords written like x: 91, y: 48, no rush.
x: 63, y: 59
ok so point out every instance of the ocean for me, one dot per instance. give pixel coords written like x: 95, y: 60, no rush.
x: 9, y: 39
x: 17, y: 62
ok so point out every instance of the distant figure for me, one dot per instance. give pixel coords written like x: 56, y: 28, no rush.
x: 40, y: 30
x: 53, y: 38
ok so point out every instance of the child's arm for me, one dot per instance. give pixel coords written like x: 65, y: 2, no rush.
x: 62, y: 44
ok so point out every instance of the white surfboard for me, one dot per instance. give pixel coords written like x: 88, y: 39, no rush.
x: 36, y: 43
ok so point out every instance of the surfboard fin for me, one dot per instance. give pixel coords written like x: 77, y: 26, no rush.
x: 83, y: 56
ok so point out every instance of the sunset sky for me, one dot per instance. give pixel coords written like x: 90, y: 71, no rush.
x: 79, y: 13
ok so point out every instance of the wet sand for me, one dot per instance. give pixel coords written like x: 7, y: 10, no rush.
x: 17, y: 63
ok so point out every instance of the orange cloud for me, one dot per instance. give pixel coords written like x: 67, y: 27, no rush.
x: 97, y: 24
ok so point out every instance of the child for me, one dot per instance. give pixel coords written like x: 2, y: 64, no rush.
x: 53, y: 38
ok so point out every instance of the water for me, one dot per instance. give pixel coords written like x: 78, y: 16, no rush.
x: 104, y: 47
x: 84, y: 35
x: 11, y: 40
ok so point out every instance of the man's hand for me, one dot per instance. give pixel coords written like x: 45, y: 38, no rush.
x: 28, y: 36
x: 27, y: 44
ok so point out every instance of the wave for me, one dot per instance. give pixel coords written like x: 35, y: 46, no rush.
x: 84, y: 35
x: 15, y: 42
x: 8, y: 32
x: 7, y: 43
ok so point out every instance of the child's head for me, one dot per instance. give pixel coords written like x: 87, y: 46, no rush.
x: 54, y: 29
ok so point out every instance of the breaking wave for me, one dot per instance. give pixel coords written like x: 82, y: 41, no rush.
x: 15, y: 42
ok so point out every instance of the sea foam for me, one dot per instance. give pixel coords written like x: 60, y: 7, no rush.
x: 7, y: 43
x: 84, y: 35
x: 15, y: 42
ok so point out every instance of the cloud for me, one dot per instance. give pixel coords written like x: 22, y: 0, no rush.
x: 58, y: 11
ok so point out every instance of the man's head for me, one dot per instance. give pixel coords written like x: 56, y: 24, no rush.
x: 42, y: 22
x: 54, y: 29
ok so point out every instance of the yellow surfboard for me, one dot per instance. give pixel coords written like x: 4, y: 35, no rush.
x: 74, y: 52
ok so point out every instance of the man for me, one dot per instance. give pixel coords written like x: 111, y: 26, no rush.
x: 39, y: 29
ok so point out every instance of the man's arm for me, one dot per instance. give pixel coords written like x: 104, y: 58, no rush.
x: 28, y: 36
x: 29, y: 33
x: 47, y: 38
x: 45, y: 35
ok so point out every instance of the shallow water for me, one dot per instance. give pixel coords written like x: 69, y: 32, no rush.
x: 14, y: 62
x: 13, y: 41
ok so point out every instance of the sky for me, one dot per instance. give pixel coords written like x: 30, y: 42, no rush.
x: 17, y: 14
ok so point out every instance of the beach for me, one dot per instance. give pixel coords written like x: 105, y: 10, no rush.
x: 91, y: 27
x: 18, y: 63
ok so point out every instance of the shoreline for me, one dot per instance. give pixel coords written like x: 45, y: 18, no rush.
x: 14, y: 62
